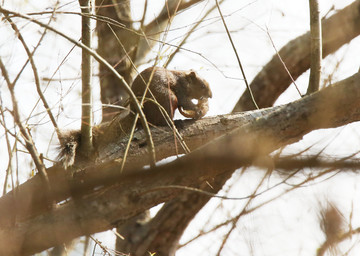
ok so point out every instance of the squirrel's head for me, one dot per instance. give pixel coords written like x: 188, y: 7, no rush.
x: 198, y: 88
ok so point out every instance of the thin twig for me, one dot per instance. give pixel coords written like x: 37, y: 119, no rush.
x: 37, y: 45
x: 29, y: 143
x: 188, y: 34
x: 35, y: 72
x: 326, y: 245
x: 196, y: 190
x: 10, y: 151
x: 107, y: 65
x: 137, y: 115
x: 316, y: 47
x: 118, y: 24
x: 242, y: 212
x: 282, y: 62
x: 142, y: 21
x: 237, y: 55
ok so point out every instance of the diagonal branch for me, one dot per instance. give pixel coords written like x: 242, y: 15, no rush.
x: 105, y: 63
x: 237, y: 55
x: 156, y: 27
x: 272, y: 82
x: 35, y: 72
x: 29, y: 143
x: 121, y: 199
x: 273, y: 79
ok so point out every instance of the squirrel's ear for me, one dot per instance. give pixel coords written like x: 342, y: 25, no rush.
x: 192, y: 74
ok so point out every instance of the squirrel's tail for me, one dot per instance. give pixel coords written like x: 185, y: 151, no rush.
x: 69, y: 143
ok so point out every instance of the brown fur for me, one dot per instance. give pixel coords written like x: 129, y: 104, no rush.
x: 171, y: 89
x: 168, y: 88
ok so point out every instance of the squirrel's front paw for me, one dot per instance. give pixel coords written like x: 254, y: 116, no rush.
x: 198, y: 111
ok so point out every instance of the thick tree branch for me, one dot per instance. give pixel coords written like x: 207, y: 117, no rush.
x: 273, y: 79
x: 135, y: 190
x: 25, y: 204
x: 268, y: 85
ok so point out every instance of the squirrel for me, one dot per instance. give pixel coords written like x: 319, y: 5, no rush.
x: 173, y: 90
x: 166, y: 90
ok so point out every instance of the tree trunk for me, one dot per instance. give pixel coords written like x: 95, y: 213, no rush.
x: 117, y: 49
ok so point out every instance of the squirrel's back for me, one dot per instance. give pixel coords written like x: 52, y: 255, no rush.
x: 166, y: 90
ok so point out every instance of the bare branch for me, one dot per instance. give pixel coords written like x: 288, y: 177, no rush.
x: 316, y: 47
x: 29, y: 143
x: 154, y: 29
x: 326, y: 245
x: 290, y: 163
x: 273, y: 80
x: 282, y: 62
x: 35, y: 72
x: 188, y: 34
x: 237, y: 56
x: 105, y: 63
x: 86, y: 73
x: 283, y: 126
x: 9, y: 149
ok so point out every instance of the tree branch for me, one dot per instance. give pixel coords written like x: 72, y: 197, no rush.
x: 157, y: 26
x: 86, y: 73
x: 116, y: 203
x: 35, y: 72
x: 273, y: 79
x: 316, y: 47
x: 268, y: 85
x: 237, y: 55
x: 101, y: 61
x: 29, y: 143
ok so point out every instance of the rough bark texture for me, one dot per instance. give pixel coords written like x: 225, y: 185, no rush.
x: 267, y: 86
x: 115, y: 52
x: 30, y: 199
x: 126, y: 195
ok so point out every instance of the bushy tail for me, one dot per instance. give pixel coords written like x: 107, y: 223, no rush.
x: 69, y: 142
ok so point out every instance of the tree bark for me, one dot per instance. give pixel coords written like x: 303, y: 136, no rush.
x: 115, y: 49
x: 126, y: 195
x: 339, y: 29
